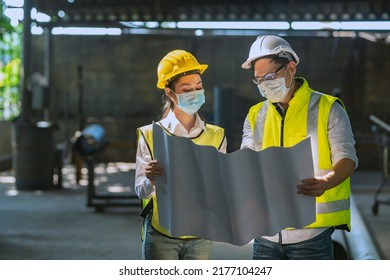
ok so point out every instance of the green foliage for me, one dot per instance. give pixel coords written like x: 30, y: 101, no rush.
x: 10, y: 66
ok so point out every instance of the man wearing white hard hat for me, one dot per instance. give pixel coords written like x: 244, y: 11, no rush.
x: 292, y: 112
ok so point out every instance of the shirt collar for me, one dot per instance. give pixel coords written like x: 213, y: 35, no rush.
x: 170, y: 122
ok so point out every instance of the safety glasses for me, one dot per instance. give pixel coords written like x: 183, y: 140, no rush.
x: 267, y: 77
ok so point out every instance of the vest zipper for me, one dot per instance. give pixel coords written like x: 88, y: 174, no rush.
x: 282, y: 113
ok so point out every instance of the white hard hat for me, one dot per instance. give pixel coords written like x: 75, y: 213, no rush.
x: 269, y: 45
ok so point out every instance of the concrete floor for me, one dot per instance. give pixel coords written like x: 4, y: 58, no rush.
x: 55, y: 224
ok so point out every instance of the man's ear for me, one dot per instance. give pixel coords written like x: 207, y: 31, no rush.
x: 292, y: 67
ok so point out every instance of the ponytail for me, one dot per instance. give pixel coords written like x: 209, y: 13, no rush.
x: 168, y: 105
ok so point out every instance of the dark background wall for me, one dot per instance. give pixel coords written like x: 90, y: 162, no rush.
x: 119, y: 82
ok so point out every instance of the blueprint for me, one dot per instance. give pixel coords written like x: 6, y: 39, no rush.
x: 233, y: 197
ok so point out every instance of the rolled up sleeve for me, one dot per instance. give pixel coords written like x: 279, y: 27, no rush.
x: 247, y: 136
x: 341, y: 138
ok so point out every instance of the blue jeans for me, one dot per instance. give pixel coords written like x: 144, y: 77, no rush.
x: 157, y: 246
x: 319, y: 247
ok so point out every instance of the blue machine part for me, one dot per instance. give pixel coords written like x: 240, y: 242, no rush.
x: 91, y: 140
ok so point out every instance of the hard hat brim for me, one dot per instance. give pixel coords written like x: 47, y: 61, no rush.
x: 201, y: 68
x: 248, y: 64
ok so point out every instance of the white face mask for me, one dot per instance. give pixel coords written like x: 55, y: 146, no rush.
x: 274, y: 90
x: 190, y: 102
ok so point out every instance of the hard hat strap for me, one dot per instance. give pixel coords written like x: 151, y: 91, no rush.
x: 196, y: 71
x: 287, y: 55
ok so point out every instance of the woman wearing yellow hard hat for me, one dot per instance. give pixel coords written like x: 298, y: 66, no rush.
x: 179, y: 75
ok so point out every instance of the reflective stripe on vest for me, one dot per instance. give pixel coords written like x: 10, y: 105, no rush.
x: 332, y: 208
x: 213, y: 136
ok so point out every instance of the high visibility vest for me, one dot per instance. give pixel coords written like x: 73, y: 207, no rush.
x: 307, y: 115
x: 213, y: 136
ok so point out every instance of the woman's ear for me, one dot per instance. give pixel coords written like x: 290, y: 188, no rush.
x: 169, y: 93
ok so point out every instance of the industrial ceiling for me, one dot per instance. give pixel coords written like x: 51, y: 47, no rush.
x: 110, y: 13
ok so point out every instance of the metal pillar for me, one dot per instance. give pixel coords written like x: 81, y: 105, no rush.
x: 49, y: 92
x: 26, y: 95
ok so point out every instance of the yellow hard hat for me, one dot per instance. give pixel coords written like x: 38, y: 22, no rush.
x: 175, y: 63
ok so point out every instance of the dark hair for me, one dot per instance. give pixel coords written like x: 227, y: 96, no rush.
x: 168, y: 105
x: 167, y: 102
